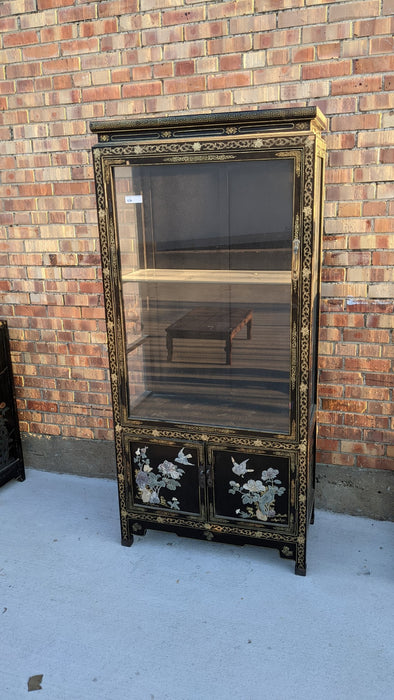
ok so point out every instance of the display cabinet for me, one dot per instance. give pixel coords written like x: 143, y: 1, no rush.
x: 210, y: 230
x: 11, y: 457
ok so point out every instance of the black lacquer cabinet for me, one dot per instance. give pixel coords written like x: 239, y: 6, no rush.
x: 210, y: 232
x: 11, y: 457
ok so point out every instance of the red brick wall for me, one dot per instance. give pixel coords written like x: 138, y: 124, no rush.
x: 64, y: 62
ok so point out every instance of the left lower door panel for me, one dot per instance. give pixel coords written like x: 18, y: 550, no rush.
x: 165, y: 480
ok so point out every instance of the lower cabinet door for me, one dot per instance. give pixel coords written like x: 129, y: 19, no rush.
x: 167, y: 477
x: 253, y: 488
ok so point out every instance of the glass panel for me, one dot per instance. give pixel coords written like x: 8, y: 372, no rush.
x: 205, y: 253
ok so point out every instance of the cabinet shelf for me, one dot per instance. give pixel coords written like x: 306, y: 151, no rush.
x: 208, y: 276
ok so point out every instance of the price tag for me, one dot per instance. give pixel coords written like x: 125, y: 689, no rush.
x: 133, y: 199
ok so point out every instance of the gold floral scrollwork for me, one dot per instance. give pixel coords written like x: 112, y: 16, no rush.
x: 136, y: 527
x: 208, y: 535
x: 155, y: 433
x: 305, y: 331
x: 226, y: 529
x: 197, y: 158
x: 287, y: 552
x: 292, y: 154
x: 293, y: 374
x: 107, y: 171
x: 297, y: 226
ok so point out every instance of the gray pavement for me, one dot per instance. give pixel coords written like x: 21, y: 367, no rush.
x: 180, y: 619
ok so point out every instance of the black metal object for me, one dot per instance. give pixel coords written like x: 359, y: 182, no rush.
x: 11, y: 457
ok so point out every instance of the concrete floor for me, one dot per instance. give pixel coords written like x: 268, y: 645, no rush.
x: 179, y: 619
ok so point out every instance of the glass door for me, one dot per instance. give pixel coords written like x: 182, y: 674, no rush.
x: 206, y: 257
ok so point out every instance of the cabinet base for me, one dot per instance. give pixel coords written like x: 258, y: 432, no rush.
x: 287, y: 550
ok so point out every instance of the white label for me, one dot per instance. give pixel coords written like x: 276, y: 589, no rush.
x: 133, y: 199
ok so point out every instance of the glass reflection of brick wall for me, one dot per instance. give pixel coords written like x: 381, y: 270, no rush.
x: 128, y: 222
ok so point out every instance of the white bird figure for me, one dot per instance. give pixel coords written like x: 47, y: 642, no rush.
x: 184, y: 459
x: 240, y: 469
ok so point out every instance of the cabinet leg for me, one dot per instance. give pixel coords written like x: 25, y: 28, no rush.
x: 312, y: 520
x: 300, y: 563
x: 128, y: 541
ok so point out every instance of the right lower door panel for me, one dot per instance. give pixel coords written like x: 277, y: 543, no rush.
x: 252, y: 488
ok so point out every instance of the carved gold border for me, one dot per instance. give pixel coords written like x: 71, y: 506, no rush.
x: 214, y: 528
x: 305, y: 308
x: 102, y: 173
x: 201, y: 146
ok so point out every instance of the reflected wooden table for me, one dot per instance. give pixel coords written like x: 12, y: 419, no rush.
x: 204, y: 323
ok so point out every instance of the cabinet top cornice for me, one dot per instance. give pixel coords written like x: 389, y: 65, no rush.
x: 289, y: 119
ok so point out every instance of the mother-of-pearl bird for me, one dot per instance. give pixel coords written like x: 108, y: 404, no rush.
x: 183, y: 459
x: 240, y: 469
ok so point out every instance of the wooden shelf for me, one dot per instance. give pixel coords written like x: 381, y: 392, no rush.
x: 209, y: 276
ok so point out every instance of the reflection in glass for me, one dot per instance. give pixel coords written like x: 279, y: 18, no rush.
x: 205, y: 254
